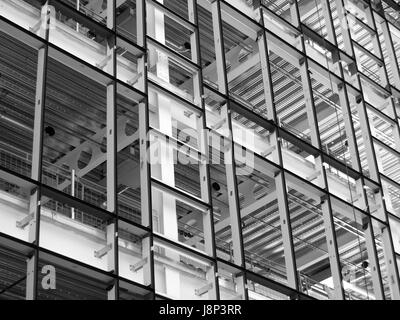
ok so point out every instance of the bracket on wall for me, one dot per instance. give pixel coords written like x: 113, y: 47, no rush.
x: 137, y: 266
x: 25, y: 221
x: 204, y: 289
x: 100, y: 253
x: 268, y: 151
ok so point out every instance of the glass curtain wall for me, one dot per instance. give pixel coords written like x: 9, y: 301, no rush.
x: 196, y: 149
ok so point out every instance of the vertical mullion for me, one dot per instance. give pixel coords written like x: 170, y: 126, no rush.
x: 391, y: 263
x: 112, y: 227
x: 219, y: 47
x: 39, y: 113
x: 327, y: 13
x: 208, y: 219
x: 145, y: 174
x: 309, y: 103
x: 373, y: 257
x: 294, y: 13
x: 348, y: 124
x: 341, y: 12
x: 37, y: 147
x: 145, y: 192
x: 266, y: 75
x: 287, y: 235
x: 233, y: 196
x: 333, y: 251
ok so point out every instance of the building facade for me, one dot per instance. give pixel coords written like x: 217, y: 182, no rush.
x: 200, y: 149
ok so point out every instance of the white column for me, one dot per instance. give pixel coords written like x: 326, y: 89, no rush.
x: 164, y: 203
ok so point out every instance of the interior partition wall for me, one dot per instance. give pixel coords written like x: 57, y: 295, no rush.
x: 199, y: 149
